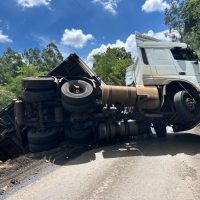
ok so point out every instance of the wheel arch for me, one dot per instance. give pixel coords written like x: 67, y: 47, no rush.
x: 178, y: 85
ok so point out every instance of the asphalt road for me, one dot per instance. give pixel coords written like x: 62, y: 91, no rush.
x: 165, y: 169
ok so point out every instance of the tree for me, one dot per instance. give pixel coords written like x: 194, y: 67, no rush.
x: 191, y: 15
x: 14, y: 83
x: 14, y: 66
x: 9, y: 63
x: 51, y: 57
x: 5, y: 97
x: 184, y: 16
x: 174, y: 16
x: 111, y: 65
x: 33, y: 57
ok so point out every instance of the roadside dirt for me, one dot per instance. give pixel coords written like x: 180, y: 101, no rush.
x: 12, y: 172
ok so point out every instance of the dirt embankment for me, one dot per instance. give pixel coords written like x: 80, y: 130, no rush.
x: 12, y: 172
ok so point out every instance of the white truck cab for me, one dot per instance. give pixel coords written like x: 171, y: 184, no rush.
x: 160, y: 62
x: 173, y: 68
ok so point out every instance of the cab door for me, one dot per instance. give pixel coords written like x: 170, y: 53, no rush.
x: 187, y: 65
x: 164, y: 63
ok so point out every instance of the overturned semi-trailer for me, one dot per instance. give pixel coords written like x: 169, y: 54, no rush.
x: 72, y: 103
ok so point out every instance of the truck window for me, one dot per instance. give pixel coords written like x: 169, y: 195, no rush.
x: 183, y: 54
x: 144, y: 56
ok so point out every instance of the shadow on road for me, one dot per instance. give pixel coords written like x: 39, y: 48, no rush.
x: 187, y: 143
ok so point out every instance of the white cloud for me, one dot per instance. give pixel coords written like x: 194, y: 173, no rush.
x: 174, y: 35
x: 4, y: 38
x: 154, y: 5
x: 33, y: 3
x: 163, y: 35
x: 109, y: 5
x: 75, y: 38
x: 129, y: 45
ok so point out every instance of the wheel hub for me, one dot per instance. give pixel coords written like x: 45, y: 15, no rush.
x: 76, y: 89
x: 191, y: 104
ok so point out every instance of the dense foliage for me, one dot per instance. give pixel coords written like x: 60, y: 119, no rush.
x: 184, y: 16
x: 111, y: 65
x: 32, y: 62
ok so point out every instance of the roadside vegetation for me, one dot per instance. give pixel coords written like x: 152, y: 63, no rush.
x: 111, y: 65
x: 32, y: 62
x: 184, y: 16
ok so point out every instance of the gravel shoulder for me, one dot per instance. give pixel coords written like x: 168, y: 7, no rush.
x: 14, y: 172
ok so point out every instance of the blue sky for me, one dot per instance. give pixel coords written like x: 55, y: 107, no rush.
x: 82, y: 26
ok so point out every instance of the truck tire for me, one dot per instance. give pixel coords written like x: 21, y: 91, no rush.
x: 3, y: 157
x: 77, y: 135
x: 78, y: 108
x: 38, y: 82
x: 40, y: 138
x: 144, y: 128
x: 38, y: 96
x: 34, y: 148
x: 185, y: 106
x: 77, y: 92
x: 160, y: 129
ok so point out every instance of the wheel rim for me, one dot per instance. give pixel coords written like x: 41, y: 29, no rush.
x: 76, y: 89
x: 190, y: 104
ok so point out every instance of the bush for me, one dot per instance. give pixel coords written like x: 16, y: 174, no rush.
x: 5, y: 97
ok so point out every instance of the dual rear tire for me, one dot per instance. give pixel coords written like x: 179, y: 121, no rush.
x: 42, y: 140
x: 78, y: 135
x: 39, y: 89
x: 77, y: 96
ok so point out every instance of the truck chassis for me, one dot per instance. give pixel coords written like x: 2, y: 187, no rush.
x: 71, y: 103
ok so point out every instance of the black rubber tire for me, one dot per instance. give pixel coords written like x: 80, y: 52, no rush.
x: 38, y: 82
x: 3, y: 157
x: 88, y: 107
x: 85, y: 96
x: 183, y: 113
x: 38, y: 96
x: 45, y: 137
x: 144, y: 128
x: 43, y: 147
x: 77, y: 135
x: 160, y: 129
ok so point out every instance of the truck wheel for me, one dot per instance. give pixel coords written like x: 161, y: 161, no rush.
x: 185, y: 106
x: 3, y: 157
x: 38, y: 96
x: 39, y: 138
x: 77, y: 135
x: 38, y: 82
x: 42, y: 147
x: 78, y: 108
x: 77, y: 92
x: 160, y: 129
x: 144, y: 128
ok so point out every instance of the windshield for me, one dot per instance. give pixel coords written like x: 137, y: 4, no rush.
x: 183, y: 54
